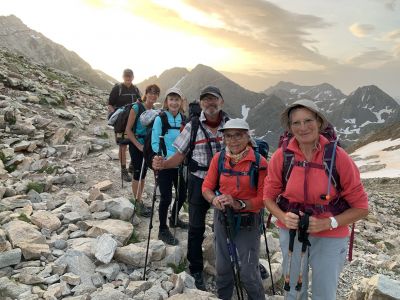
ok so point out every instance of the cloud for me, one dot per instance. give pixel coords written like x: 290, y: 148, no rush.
x: 391, y: 4
x: 361, y: 30
x: 371, y: 58
x: 392, y: 35
x: 257, y: 27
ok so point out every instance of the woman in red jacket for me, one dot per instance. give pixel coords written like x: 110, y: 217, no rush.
x: 308, y: 196
x: 229, y: 187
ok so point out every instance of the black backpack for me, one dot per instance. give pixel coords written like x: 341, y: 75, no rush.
x: 122, y: 119
x: 148, y: 152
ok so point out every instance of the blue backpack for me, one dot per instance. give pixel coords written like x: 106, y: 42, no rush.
x: 261, y: 149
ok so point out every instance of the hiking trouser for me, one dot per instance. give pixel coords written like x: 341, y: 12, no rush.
x: 167, y: 178
x: 198, y: 208
x: 247, y: 242
x: 326, y: 257
x: 136, y: 161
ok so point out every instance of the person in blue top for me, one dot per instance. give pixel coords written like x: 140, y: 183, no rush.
x: 136, y: 133
x: 173, y: 109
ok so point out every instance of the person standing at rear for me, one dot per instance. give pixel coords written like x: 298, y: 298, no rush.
x: 122, y: 94
x: 304, y: 195
x: 207, y: 142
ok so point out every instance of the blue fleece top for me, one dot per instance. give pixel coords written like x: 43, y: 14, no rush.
x: 169, y: 137
x: 140, y: 129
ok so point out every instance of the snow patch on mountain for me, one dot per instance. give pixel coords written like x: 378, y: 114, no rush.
x: 245, y: 111
x: 379, y: 159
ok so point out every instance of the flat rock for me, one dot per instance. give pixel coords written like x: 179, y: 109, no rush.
x: 121, y: 230
x: 71, y: 278
x: 103, y: 185
x: 34, y: 250
x: 9, y: 258
x: 22, y: 232
x: 135, y: 287
x: 84, y: 245
x: 110, y: 271
x: 11, y: 203
x: 45, y: 219
x: 132, y: 255
x: 107, y: 294
x: 157, y: 247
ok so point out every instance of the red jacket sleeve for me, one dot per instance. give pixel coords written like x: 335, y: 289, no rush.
x: 352, y: 187
x: 273, y: 182
x: 210, y: 182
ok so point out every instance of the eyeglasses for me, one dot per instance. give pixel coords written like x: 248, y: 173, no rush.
x: 306, y: 122
x: 236, y: 136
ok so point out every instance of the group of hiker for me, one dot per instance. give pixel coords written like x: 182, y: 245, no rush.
x: 310, y: 185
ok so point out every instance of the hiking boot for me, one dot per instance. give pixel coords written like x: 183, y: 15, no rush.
x: 143, y: 210
x: 179, y: 223
x: 263, y: 272
x: 166, y: 236
x: 199, y: 281
x: 131, y: 168
x: 125, y: 175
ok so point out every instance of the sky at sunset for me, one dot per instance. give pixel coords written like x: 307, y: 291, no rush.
x: 254, y: 42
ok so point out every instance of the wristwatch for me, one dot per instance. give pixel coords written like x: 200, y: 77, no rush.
x: 334, y: 223
x: 242, y: 204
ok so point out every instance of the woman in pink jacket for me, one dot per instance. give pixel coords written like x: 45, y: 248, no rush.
x: 307, y: 204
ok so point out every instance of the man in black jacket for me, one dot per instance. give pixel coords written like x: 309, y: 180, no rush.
x: 122, y: 94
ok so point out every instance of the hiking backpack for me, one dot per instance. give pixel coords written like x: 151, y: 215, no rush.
x: 148, y: 152
x: 261, y: 149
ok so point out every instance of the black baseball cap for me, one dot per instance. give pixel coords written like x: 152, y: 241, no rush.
x: 212, y: 90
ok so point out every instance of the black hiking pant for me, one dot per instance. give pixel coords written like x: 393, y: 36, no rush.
x: 167, y: 178
x: 198, y: 208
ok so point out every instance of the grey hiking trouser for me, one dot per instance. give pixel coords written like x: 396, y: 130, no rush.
x: 247, y: 242
x: 326, y: 257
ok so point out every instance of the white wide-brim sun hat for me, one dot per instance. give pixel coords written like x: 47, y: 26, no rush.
x: 235, y: 124
x: 308, y: 104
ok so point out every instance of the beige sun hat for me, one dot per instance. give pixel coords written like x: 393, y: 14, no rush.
x: 235, y: 124
x: 174, y: 90
x: 310, y: 105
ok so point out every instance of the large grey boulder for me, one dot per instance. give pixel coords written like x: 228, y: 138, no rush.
x: 378, y: 287
x: 9, y: 288
x: 132, y: 255
x: 120, y: 208
x: 104, y: 248
x: 157, y: 247
x: 9, y: 258
x: 79, y: 264
x: 107, y: 294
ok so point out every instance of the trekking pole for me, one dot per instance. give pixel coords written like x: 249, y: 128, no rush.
x: 292, y: 235
x: 139, y: 188
x: 267, y: 250
x: 120, y: 162
x: 233, y: 253
x: 177, y: 199
x: 152, y: 212
x: 303, y: 238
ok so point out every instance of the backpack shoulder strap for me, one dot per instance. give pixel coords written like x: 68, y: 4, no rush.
x: 288, y: 160
x: 164, y: 123
x: 119, y: 89
x: 221, y: 161
x: 195, y: 123
x: 141, y: 109
x: 329, y: 162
